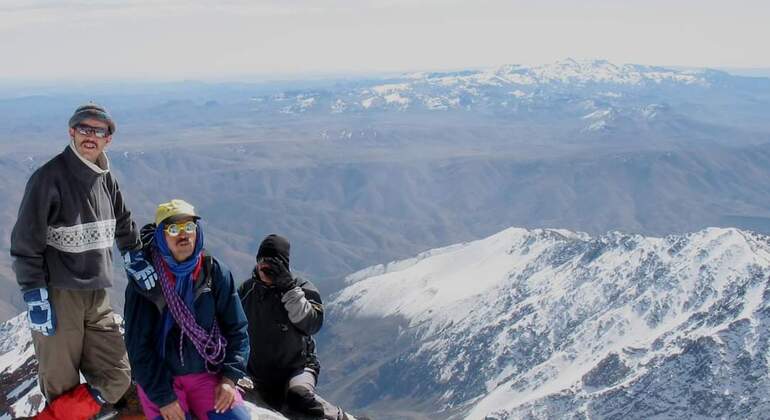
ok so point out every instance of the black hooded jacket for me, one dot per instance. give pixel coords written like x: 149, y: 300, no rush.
x: 281, y: 343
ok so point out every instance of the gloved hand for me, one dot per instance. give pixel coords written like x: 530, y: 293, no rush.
x: 279, y: 274
x: 40, y: 313
x: 139, y: 269
x: 147, y: 235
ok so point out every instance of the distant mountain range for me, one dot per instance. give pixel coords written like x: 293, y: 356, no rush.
x: 596, y: 91
x: 507, y: 87
x: 357, y: 172
x: 544, y: 324
x: 559, y: 91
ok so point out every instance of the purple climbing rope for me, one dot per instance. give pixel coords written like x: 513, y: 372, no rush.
x: 210, y: 345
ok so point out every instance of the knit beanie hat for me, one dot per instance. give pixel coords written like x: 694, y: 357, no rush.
x: 95, y: 111
x: 274, y: 246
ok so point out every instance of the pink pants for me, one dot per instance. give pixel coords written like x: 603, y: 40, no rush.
x: 195, y: 393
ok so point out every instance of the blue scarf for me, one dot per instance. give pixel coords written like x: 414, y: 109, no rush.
x: 182, y: 271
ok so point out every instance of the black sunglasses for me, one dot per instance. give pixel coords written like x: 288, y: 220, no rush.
x: 87, y: 130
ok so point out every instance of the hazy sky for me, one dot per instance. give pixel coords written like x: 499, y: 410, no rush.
x: 174, y: 39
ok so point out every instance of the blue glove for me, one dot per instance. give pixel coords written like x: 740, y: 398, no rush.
x: 40, y: 312
x: 140, y: 270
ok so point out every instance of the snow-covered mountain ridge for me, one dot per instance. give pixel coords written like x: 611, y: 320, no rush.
x: 505, y: 88
x: 585, y: 97
x: 569, y: 71
x: 555, y: 324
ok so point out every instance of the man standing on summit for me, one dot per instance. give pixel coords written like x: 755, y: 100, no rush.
x: 71, y: 214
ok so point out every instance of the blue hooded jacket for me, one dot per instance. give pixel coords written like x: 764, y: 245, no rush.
x: 214, y: 296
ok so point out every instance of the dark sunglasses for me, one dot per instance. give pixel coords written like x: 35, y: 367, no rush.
x: 264, y: 264
x: 97, y: 132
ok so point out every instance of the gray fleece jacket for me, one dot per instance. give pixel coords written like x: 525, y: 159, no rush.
x: 71, y: 214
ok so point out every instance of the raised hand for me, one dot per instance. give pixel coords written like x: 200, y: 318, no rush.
x: 139, y: 269
x: 278, y: 273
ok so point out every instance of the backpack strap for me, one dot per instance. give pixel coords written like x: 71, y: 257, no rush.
x: 156, y: 296
x: 207, y: 281
x: 208, y: 265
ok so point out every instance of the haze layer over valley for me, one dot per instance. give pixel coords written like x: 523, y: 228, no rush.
x: 357, y: 172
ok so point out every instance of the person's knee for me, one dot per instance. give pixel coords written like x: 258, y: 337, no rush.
x: 302, y: 397
x: 53, y: 385
x: 113, y: 387
x: 267, y: 395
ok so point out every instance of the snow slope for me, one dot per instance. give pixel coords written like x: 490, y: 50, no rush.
x: 19, y: 393
x: 556, y: 324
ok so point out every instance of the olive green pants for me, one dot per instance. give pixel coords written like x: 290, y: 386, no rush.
x: 88, y: 341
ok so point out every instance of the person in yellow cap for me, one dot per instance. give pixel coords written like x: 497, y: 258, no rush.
x: 186, y: 336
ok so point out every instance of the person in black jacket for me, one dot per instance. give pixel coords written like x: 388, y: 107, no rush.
x: 71, y: 215
x: 283, y: 312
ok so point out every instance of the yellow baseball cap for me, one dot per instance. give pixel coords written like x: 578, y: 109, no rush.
x: 174, y: 208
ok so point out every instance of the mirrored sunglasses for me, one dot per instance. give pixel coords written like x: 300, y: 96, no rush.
x: 174, y: 229
x: 97, y: 132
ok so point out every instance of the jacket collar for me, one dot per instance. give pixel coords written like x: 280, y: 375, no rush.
x: 82, y: 167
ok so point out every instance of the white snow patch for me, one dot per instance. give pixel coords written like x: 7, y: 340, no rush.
x: 22, y: 387
x: 391, y: 88
x: 367, y: 103
x: 395, y: 98
x: 339, y: 106
x: 600, y: 113
x: 611, y: 94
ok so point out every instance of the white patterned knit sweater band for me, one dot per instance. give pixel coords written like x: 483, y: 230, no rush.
x: 81, y: 238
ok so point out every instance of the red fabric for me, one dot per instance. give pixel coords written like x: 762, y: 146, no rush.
x: 198, y: 268
x: 76, y: 404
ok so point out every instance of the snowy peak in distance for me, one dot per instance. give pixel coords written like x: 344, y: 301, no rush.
x: 552, y: 323
x: 569, y: 71
x: 518, y: 91
x: 602, y: 71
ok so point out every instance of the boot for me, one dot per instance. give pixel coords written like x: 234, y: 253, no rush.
x: 76, y: 404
